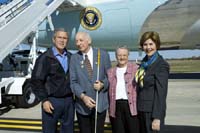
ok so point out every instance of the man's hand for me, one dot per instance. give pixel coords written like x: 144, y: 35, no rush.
x: 98, y: 85
x: 89, y: 102
x: 47, y: 106
x: 156, y: 125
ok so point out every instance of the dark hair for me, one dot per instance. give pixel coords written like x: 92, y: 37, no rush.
x: 154, y: 36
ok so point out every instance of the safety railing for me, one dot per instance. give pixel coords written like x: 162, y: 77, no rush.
x: 8, y: 12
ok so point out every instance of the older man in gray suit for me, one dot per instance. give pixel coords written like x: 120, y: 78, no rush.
x: 85, y: 83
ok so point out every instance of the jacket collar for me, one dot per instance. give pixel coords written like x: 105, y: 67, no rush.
x: 50, y: 54
x: 129, y: 68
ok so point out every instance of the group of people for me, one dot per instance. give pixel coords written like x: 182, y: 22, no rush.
x: 134, y: 95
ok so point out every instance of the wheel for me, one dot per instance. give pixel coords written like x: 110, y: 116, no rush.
x: 28, y: 98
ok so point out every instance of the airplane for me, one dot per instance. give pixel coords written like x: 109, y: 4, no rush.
x: 115, y: 22
x: 121, y: 22
x: 178, y: 24
x: 111, y: 23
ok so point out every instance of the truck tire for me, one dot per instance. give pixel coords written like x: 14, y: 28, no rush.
x: 28, y: 98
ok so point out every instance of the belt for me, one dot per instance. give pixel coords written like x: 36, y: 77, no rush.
x: 118, y: 100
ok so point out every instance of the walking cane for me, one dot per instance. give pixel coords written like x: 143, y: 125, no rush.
x: 97, y: 93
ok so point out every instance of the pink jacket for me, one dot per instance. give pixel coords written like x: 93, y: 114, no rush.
x: 130, y: 86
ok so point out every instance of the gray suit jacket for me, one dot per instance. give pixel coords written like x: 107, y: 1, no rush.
x: 81, y: 83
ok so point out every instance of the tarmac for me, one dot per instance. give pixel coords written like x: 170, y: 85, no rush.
x: 183, y: 108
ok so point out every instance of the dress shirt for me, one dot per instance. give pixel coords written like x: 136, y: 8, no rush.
x: 62, y: 58
x: 90, y: 56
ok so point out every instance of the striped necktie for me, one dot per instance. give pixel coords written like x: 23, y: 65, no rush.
x: 88, y: 66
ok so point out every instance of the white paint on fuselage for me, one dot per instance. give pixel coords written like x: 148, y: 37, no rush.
x: 93, y: 2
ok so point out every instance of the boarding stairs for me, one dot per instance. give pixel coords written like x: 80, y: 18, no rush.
x: 22, y: 19
x: 17, y: 20
x: 16, y: 29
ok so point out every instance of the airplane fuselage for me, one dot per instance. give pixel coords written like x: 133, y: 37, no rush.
x: 121, y: 22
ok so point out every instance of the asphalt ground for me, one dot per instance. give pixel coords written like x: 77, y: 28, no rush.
x: 183, y: 111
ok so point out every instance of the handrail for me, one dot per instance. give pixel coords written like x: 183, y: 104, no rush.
x: 24, y: 24
x: 9, y: 6
x: 13, y: 10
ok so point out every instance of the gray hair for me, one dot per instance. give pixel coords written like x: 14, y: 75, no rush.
x: 87, y: 35
x: 121, y: 47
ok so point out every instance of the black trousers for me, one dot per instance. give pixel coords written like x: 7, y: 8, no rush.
x: 145, y: 122
x: 87, y: 122
x: 124, y: 122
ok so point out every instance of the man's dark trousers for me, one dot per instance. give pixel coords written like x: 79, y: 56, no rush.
x: 62, y: 107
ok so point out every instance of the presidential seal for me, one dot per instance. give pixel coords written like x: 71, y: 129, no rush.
x: 90, y: 18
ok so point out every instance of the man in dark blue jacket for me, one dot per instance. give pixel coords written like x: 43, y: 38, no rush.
x: 50, y: 82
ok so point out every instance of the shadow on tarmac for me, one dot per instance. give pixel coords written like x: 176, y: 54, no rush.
x: 5, y: 107
x: 181, y: 129
x: 184, y: 76
x: 4, y: 110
